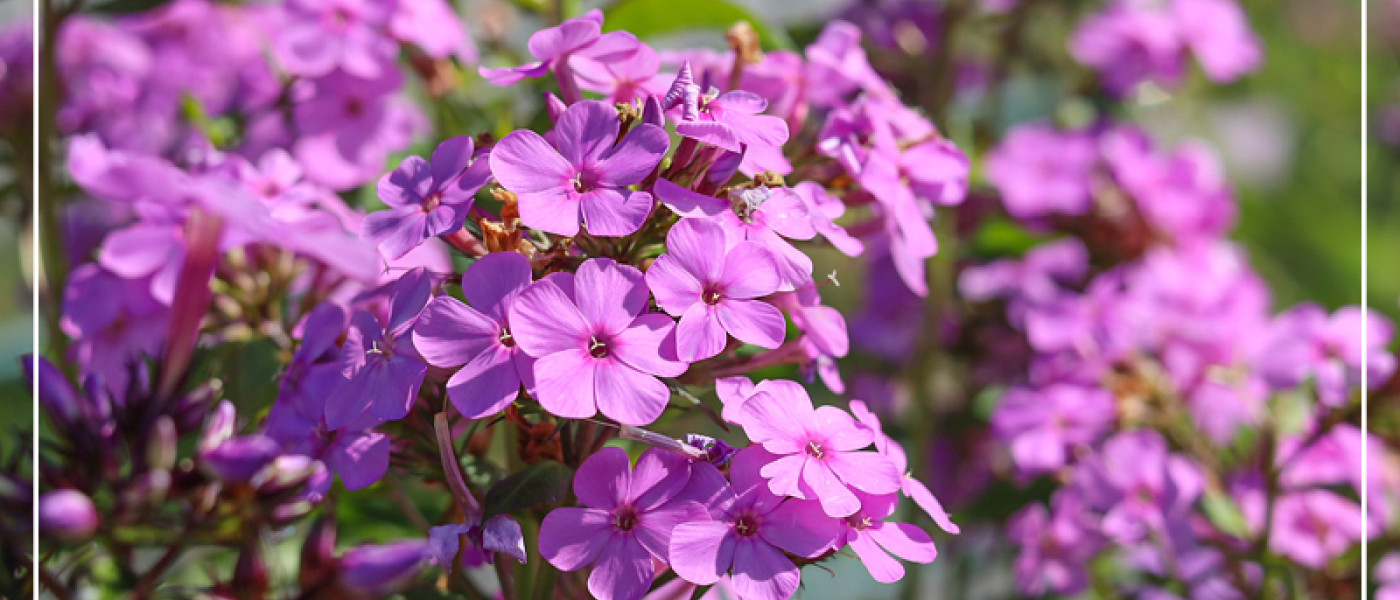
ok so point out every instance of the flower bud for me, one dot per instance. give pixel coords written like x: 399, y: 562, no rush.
x: 286, y: 472
x: 161, y: 446
x: 717, y: 452
x: 146, y: 489
x: 237, y: 459
x: 219, y: 427
x: 60, y: 400
x: 67, y: 515
x: 318, y: 553
x: 378, y: 570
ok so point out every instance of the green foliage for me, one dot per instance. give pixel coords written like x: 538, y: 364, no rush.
x: 648, y: 18
x: 542, y: 483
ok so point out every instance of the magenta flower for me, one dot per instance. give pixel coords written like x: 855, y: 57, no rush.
x: 1314, y: 526
x: 1042, y: 171
x: 1044, y: 426
x: 320, y: 35
x: 554, y: 45
x: 912, y: 488
x: 747, y: 531
x: 624, y: 80
x: 1219, y: 35
x: 1056, y: 546
x: 1306, y: 343
x: 426, y: 199
x: 873, y: 539
x: 730, y: 120
x: 819, y: 450
x: 380, y: 363
x: 713, y: 291
x: 597, y: 349
x: 625, y: 522
x: 582, y: 176
x: 767, y: 216
x: 478, y: 337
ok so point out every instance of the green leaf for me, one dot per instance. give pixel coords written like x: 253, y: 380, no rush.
x: 122, y: 7
x: 648, y: 18
x: 541, y: 483
x: 1224, y: 513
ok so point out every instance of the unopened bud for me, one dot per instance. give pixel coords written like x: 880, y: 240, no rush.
x: 161, y: 446
x: 318, y: 553
x: 147, y: 489
x: 219, y: 427
x: 236, y: 460
x: 378, y: 570
x: 67, y: 515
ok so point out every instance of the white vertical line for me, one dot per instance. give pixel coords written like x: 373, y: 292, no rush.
x: 34, y: 306
x: 1365, y: 352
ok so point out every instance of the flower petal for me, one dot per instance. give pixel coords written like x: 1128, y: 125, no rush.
x: 571, y: 538
x: 524, y: 163
x: 750, y: 270
x: 698, y: 244
x: 700, y: 335
x: 905, y: 541
x: 493, y: 279
x: 627, y: 395
x: 920, y: 494
x: 658, y: 476
x: 602, y: 481
x: 673, y: 286
x: 654, y: 528
x: 687, y: 203
x: 649, y: 345
x: 450, y: 333
x: 883, y: 567
x: 753, y: 321
x: 866, y: 471
x: 544, y: 320
x: 585, y: 131
x: 609, y: 295
x: 801, y: 527
x: 761, y: 572
x: 554, y: 212
x: 360, y: 458
x: 486, y: 385
x: 633, y: 158
x: 614, y: 212
x: 406, y: 185
x: 624, y: 571
x: 564, y: 382
x: 837, y: 499
x: 450, y: 158
x: 702, y: 551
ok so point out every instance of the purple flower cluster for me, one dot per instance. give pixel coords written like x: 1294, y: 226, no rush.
x: 528, y: 328
x: 1143, y: 329
x: 1133, y: 41
x: 609, y: 272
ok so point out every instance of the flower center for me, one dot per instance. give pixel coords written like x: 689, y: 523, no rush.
x: 506, y: 338
x: 375, y: 349
x: 584, y: 182
x: 859, y: 521
x: 353, y: 107
x: 711, y: 296
x: 814, y: 449
x: 746, y: 525
x: 597, y: 347
x: 432, y: 201
x: 625, y: 518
